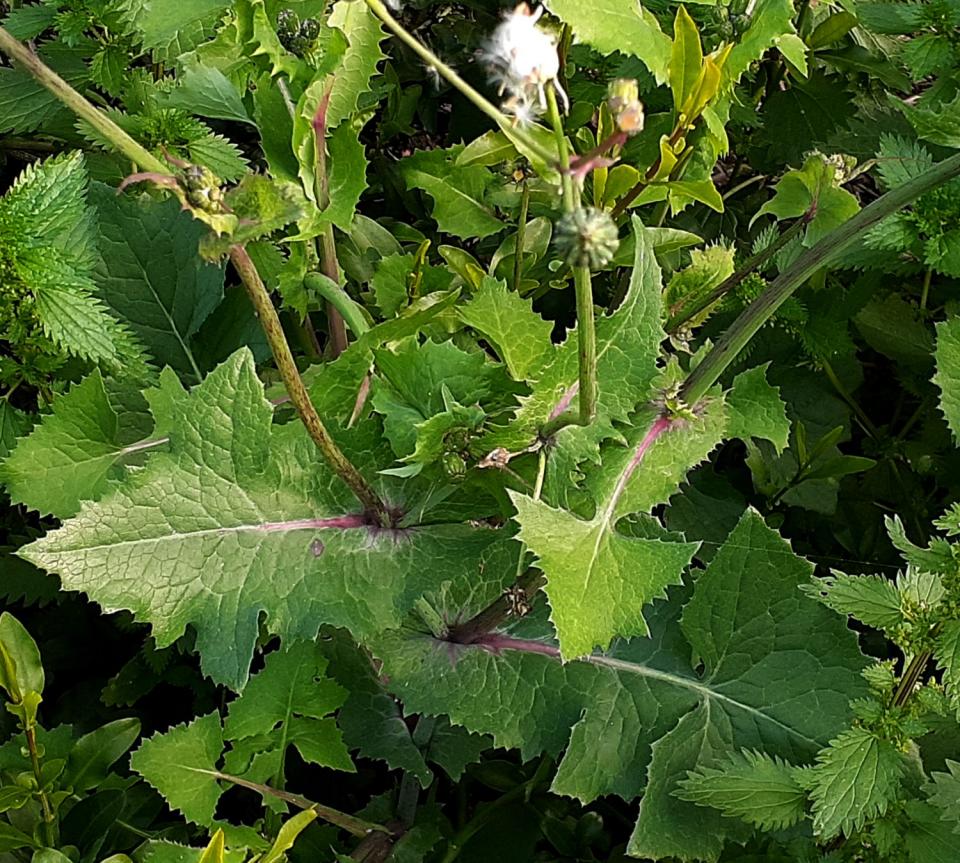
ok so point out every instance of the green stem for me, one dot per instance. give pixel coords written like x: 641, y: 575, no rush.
x: 77, y: 103
x: 350, y: 823
x: 583, y: 288
x: 761, y: 310
x: 339, y: 299
x: 925, y: 294
x: 852, y: 403
x: 522, y: 791
x: 267, y: 314
x: 432, y: 60
x: 48, y: 817
x: 521, y: 231
x: 409, y: 794
x: 570, y: 202
x: 686, y: 313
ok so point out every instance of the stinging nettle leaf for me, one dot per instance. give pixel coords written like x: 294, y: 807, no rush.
x: 151, y: 275
x: 944, y: 793
x: 855, y: 779
x: 871, y: 599
x: 948, y: 372
x: 761, y: 790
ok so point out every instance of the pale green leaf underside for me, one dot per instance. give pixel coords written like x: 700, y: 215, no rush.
x: 758, y: 789
x: 944, y: 793
x: 151, y: 275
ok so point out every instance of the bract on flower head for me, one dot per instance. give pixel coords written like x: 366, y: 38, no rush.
x: 522, y: 58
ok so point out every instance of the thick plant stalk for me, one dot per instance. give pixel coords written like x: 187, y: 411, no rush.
x: 270, y: 321
x: 762, y: 309
x: 583, y: 287
x: 77, y: 103
x: 373, y: 506
x: 687, y: 312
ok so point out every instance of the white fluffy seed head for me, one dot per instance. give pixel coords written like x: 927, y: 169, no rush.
x: 521, y: 58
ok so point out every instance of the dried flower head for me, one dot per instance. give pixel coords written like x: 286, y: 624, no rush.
x: 522, y: 58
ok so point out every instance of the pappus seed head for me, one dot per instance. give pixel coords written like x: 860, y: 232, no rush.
x: 522, y: 59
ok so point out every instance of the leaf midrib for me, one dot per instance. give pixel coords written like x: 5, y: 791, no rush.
x: 702, y: 690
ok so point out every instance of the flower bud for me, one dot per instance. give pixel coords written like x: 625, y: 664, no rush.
x: 587, y: 238
x: 623, y: 100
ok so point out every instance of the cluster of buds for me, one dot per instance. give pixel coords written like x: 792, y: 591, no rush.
x: 298, y: 37
x: 522, y: 59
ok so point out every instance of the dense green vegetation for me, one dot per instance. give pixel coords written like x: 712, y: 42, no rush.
x: 453, y: 432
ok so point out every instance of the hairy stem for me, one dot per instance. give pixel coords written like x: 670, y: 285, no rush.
x: 350, y: 823
x: 80, y: 106
x: 685, y: 312
x: 911, y: 677
x: 433, y: 61
x: 762, y: 309
x: 267, y: 314
x: 373, y: 506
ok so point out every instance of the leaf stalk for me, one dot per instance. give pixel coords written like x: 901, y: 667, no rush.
x: 762, y: 309
x: 46, y: 77
x: 350, y: 823
x: 373, y: 506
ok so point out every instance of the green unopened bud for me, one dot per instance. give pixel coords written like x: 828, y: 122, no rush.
x: 310, y: 29
x: 623, y: 100
x: 202, y: 188
x: 587, y: 238
x: 453, y: 465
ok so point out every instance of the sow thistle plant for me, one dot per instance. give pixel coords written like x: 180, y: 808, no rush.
x: 447, y: 513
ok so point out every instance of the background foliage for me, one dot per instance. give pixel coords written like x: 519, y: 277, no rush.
x: 715, y: 617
